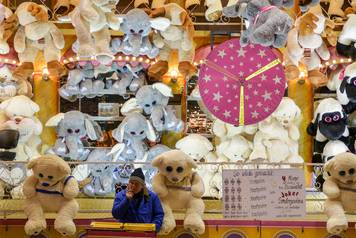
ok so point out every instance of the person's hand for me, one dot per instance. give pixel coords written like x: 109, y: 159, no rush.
x: 129, y: 192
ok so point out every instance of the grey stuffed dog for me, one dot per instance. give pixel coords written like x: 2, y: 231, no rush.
x: 72, y: 127
x: 102, y: 182
x: 137, y: 25
x: 268, y: 25
x: 153, y: 100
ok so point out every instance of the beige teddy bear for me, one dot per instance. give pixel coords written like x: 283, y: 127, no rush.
x: 52, y: 189
x: 340, y: 188
x: 179, y: 187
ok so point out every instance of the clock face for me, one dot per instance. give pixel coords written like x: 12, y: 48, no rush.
x: 241, y: 85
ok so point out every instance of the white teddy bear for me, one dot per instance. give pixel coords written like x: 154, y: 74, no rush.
x: 200, y: 149
x: 20, y: 112
x: 226, y: 131
x: 278, y: 135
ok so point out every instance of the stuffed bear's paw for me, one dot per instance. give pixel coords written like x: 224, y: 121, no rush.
x: 258, y: 154
x: 104, y: 58
x: 194, y: 224
x: 157, y: 70
x: 336, y: 225
x: 167, y: 226
x: 65, y: 227
x: 34, y: 227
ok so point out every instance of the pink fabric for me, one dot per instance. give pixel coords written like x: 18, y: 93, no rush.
x: 262, y: 10
x: 221, y: 94
x: 342, y: 74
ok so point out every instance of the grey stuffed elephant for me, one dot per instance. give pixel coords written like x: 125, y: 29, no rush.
x: 130, y: 79
x: 133, y: 130
x: 102, y: 182
x: 72, y: 127
x: 153, y: 100
x: 137, y: 25
x: 268, y: 25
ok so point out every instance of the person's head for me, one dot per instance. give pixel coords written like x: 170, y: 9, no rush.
x: 136, y: 181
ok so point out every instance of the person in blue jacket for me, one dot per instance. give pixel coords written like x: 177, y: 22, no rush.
x: 136, y: 204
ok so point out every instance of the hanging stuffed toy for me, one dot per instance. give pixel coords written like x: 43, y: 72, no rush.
x: 8, y: 22
x: 339, y: 187
x: 34, y: 34
x: 10, y: 86
x: 305, y: 46
x: 137, y: 26
x: 268, y: 25
x: 91, y: 20
x: 329, y: 123
x: 50, y: 189
x: 347, y: 38
x: 178, y: 36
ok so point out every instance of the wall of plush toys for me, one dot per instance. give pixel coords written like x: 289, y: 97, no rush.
x: 114, y: 109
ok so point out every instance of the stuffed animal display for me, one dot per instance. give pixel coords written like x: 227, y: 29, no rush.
x: 339, y: 187
x: 51, y: 188
x: 268, y: 25
x: 176, y: 177
x: 35, y: 34
x: 306, y: 46
x: 72, y: 128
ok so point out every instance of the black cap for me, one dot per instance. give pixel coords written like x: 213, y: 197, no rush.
x: 137, y: 175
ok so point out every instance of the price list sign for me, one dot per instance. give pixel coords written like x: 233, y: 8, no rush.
x: 263, y: 194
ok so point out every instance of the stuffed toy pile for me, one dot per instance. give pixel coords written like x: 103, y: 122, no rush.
x: 51, y: 188
x: 179, y: 187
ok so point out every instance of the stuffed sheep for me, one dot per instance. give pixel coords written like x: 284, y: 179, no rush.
x: 339, y: 187
x: 91, y: 20
x: 51, y: 188
x: 137, y: 26
x: 200, y: 149
x: 268, y: 25
x: 178, y: 36
x: 153, y: 100
x: 179, y: 187
x: 72, y: 127
x: 278, y: 135
x: 306, y: 46
x: 34, y: 34
x: 329, y: 123
x: 20, y: 112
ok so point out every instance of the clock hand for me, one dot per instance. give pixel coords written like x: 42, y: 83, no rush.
x: 218, y: 68
x: 263, y: 69
x: 242, y: 106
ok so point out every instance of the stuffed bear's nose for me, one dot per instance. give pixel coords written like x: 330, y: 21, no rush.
x: 45, y: 184
x: 98, y: 170
x: 175, y: 179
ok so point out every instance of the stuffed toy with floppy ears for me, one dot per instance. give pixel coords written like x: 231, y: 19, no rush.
x: 329, y: 123
x: 34, y: 34
x: 178, y: 36
x: 268, y: 25
x: 91, y: 20
x: 8, y: 23
x: 340, y: 189
x: 153, y: 100
x: 137, y: 25
x: 51, y: 188
x: 347, y: 38
x: 72, y: 128
x: 179, y: 187
x: 306, y: 46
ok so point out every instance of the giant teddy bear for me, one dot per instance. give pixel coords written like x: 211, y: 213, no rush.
x: 178, y: 36
x: 179, y: 187
x: 50, y: 189
x: 34, y: 34
x: 340, y: 187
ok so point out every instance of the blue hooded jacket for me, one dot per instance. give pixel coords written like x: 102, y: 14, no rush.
x: 148, y: 211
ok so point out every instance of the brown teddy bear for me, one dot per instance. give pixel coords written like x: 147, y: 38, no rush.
x: 52, y: 189
x: 179, y: 187
x: 340, y: 188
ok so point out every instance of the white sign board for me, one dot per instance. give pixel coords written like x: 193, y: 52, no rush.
x: 263, y: 194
